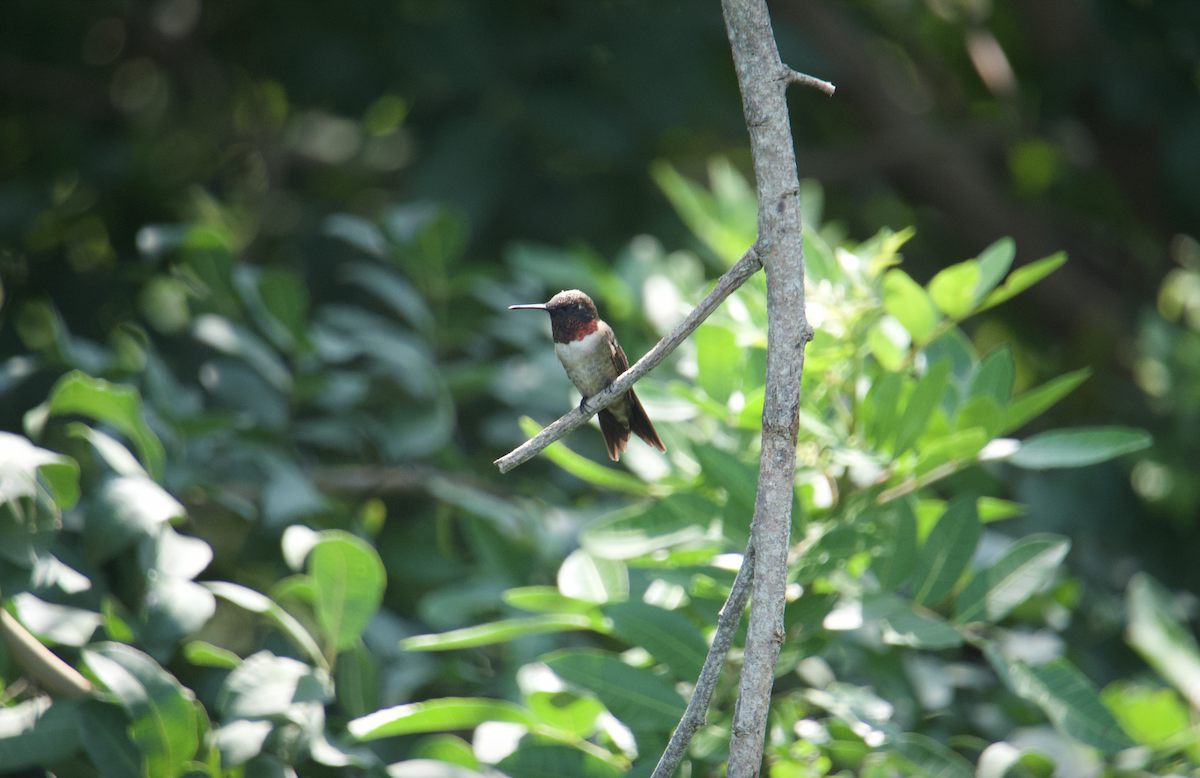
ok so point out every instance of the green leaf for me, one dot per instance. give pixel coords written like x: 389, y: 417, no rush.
x: 819, y: 261
x: 739, y: 480
x: 908, y: 301
x: 953, y: 289
x: 1022, y: 278
x: 204, y: 654
x: 1151, y: 716
x: 356, y: 678
x: 161, y: 710
x: 257, y: 602
x: 903, y: 627
x: 930, y: 759
x: 500, y: 632
x: 446, y: 748
x: 994, y: 509
x: 241, y: 740
x: 894, y: 567
x: 21, y: 463
x: 1078, y: 447
x: 956, y: 447
x: 880, y: 405
x: 583, y: 576
x: 921, y: 405
x: 566, y: 711
x: 265, y: 686
x: 995, y: 376
x: 1033, y: 403
x: 586, y: 469
x: 717, y: 359
x: 994, y: 262
x: 233, y: 339
x: 1024, y: 569
x: 669, y: 636
x: 889, y: 341
x: 640, y: 699
x: 554, y: 761
x: 126, y: 509
x: 981, y: 412
x: 35, y: 732
x: 118, y: 405
x: 442, y: 715
x: 1070, y: 701
x: 350, y: 581
x: 60, y: 624
x: 545, y: 599
x: 393, y: 289
x: 104, y: 730
x: 947, y: 551
x: 648, y: 527
x: 1161, y: 637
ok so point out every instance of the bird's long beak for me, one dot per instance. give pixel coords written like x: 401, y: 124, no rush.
x: 534, y: 306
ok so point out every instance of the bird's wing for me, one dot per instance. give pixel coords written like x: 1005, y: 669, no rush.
x: 620, y: 362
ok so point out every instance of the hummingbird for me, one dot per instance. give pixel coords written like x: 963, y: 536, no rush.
x: 589, y: 351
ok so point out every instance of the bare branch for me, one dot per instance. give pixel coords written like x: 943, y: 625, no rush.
x: 706, y: 684
x: 747, y: 266
x: 53, y: 674
x: 803, y: 79
x: 756, y: 59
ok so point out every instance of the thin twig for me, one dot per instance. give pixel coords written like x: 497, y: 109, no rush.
x: 756, y: 59
x: 53, y: 674
x: 706, y: 684
x: 747, y: 266
x: 803, y: 79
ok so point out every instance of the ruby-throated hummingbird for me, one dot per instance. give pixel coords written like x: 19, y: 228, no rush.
x: 589, y: 351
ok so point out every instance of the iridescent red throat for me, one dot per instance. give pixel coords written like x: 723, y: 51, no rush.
x: 568, y: 330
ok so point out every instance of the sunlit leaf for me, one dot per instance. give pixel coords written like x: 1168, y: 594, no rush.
x: 1034, y: 402
x: 920, y: 406
x: 1024, y: 569
x: 1078, y: 447
x: 545, y: 599
x: 260, y: 603
x: 501, y: 632
x: 161, y: 711
x: 441, y: 715
x: 718, y: 357
x: 350, y: 580
x: 1022, y: 278
x: 266, y: 685
x: 904, y: 627
x: 994, y: 262
x: 640, y: 699
x: 542, y: 761
x: 118, y: 405
x: 35, y: 732
x: 894, y: 566
x: 953, y: 289
x: 947, y: 551
x: 1161, y: 637
x: 931, y: 759
x: 669, y: 636
x: 995, y: 376
x: 566, y: 711
x: 908, y: 301
x: 586, y: 469
x: 1070, y: 701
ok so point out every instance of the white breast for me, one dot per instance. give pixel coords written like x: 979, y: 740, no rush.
x: 588, y: 362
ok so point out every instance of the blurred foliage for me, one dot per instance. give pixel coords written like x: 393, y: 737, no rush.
x: 255, y: 363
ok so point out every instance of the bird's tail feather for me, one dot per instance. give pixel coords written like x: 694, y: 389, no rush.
x: 616, y: 437
x: 640, y: 425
